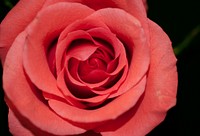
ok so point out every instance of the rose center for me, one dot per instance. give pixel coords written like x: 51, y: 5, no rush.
x: 90, y: 65
x: 94, y: 66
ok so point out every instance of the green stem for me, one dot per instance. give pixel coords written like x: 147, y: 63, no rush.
x: 186, y: 42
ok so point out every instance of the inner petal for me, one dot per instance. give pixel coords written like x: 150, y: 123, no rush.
x: 130, y: 32
x: 78, y: 44
x: 93, y: 63
x: 94, y: 76
x: 81, y: 49
x: 51, y: 56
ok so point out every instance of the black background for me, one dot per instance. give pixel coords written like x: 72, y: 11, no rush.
x: 177, y: 18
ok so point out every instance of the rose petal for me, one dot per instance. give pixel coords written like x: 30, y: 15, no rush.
x: 80, y: 90
x: 68, y: 95
x: 118, y: 47
x: 160, y: 93
x: 145, y: 4
x: 72, y: 68
x: 74, y: 77
x: 119, y: 51
x: 81, y: 49
x: 135, y: 7
x: 113, y: 83
x: 35, y: 61
x: 92, y: 100
x: 95, y: 117
x: 82, y: 24
x: 96, y: 4
x: 51, y: 57
x: 113, y: 65
x: 106, y: 86
x: 72, y: 71
x: 16, y: 127
x: 129, y: 30
x: 94, y: 76
x: 110, y: 84
x: 15, y: 22
x: 23, y: 98
x: 104, y: 54
x: 64, y: 46
x: 163, y: 61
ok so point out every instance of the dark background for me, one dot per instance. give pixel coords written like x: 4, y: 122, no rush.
x: 177, y: 18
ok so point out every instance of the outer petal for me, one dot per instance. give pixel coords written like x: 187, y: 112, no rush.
x: 160, y: 93
x: 90, y: 119
x: 16, y: 127
x: 132, y: 6
x: 145, y: 4
x: 25, y: 100
x: 95, y: 4
x: 136, y: 7
x: 16, y: 21
x: 34, y: 59
x: 129, y: 30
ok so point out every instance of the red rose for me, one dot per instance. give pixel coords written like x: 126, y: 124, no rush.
x: 85, y: 67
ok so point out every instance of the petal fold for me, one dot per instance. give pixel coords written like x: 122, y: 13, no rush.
x: 131, y: 33
x: 15, y: 22
x: 26, y: 99
x: 34, y: 59
x: 160, y: 92
x: 110, y: 111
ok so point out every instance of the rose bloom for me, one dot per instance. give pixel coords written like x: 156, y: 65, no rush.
x: 85, y: 67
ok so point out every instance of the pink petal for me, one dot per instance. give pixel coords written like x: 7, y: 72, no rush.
x: 73, y: 75
x: 96, y: 4
x: 145, y: 4
x: 113, y: 65
x: 118, y: 47
x: 163, y: 62
x: 72, y: 68
x: 34, y: 58
x: 129, y: 30
x: 99, y: 82
x: 64, y: 44
x: 160, y: 93
x: 79, y: 89
x: 135, y: 7
x: 82, y: 24
x: 107, y: 36
x: 15, y: 127
x: 95, y: 117
x: 68, y: 95
x: 26, y: 101
x: 113, y: 83
x: 104, y: 52
x: 51, y: 57
x: 15, y: 22
x: 71, y: 52
x: 81, y: 49
x: 94, y: 76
